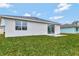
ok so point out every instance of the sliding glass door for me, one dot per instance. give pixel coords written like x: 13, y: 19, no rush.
x: 51, y: 29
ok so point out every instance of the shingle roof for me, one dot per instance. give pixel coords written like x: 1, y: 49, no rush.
x: 27, y: 17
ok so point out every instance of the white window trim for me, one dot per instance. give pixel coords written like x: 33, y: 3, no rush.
x: 20, y: 25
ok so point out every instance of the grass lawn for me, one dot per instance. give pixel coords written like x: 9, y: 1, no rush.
x: 40, y: 46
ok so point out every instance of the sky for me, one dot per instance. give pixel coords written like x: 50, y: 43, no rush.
x: 57, y: 12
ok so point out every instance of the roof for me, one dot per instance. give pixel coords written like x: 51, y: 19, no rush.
x: 33, y: 19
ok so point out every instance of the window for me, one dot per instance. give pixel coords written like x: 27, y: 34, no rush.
x: 21, y: 25
x: 24, y: 25
x: 18, y: 25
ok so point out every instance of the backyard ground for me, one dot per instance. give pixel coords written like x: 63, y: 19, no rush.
x: 40, y: 46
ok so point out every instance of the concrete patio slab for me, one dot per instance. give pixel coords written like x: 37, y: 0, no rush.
x: 56, y: 35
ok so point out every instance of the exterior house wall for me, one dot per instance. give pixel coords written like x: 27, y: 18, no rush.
x: 56, y: 29
x: 1, y: 30
x: 33, y: 28
x: 2, y: 22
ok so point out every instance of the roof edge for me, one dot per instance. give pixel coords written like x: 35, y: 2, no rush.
x: 28, y: 17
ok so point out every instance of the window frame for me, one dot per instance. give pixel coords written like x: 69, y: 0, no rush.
x: 21, y: 25
x: 24, y: 25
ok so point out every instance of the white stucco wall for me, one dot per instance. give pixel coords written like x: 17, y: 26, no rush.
x: 33, y: 28
x: 1, y: 30
x: 57, y: 29
x: 2, y: 24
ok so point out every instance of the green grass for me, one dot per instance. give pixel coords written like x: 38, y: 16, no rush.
x: 40, y: 46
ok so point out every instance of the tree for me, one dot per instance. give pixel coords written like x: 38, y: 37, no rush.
x: 76, y: 24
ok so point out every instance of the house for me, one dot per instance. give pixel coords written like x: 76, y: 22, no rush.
x: 13, y: 26
x: 70, y: 28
